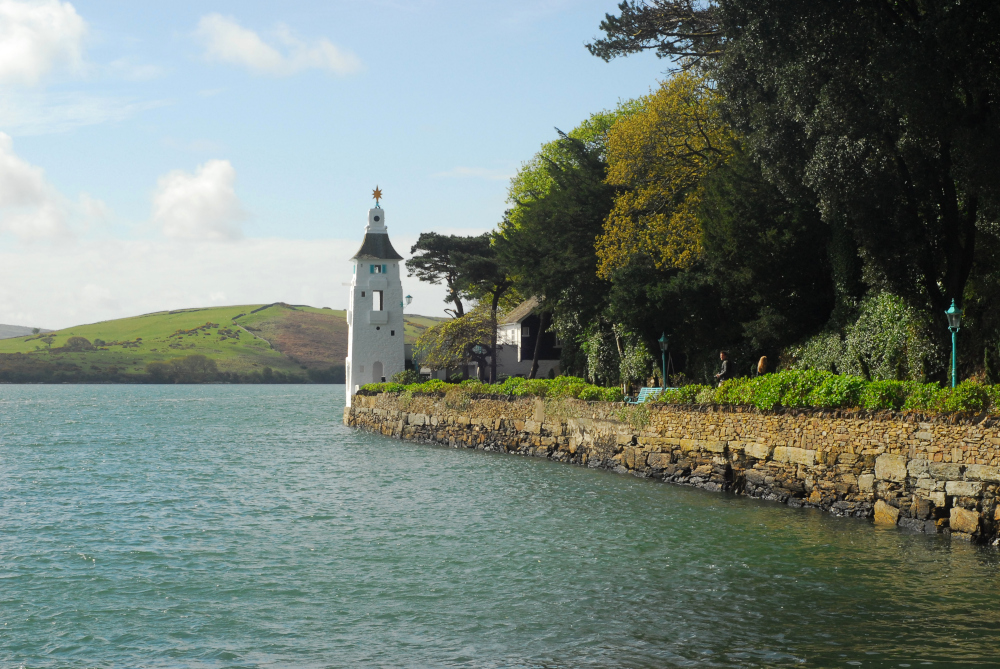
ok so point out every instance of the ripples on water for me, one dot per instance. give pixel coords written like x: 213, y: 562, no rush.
x: 225, y: 526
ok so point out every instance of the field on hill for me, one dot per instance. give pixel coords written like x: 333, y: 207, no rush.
x: 243, y: 343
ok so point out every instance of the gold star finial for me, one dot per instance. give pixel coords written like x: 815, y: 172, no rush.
x: 377, y: 194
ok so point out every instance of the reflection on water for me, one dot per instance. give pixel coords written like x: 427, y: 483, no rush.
x: 244, y: 526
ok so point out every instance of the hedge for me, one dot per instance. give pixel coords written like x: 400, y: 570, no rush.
x: 793, y: 388
x: 823, y: 390
x: 559, y: 387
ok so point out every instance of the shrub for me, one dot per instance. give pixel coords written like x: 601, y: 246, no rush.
x: 387, y: 387
x: 406, y: 377
x: 840, y: 391
x: 968, y: 396
x: 683, y: 395
x: 78, y: 344
x: 924, y: 397
x: 885, y: 395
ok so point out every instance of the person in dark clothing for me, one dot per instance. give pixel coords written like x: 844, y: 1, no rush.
x: 727, y: 369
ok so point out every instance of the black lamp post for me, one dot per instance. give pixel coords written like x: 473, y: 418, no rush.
x: 954, y: 315
x: 663, y: 352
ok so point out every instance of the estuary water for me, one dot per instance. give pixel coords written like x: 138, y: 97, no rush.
x: 245, y: 526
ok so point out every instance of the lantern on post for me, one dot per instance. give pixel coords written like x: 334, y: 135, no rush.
x: 663, y: 340
x: 954, y: 315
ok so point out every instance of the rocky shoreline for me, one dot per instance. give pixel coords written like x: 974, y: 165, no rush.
x: 935, y: 474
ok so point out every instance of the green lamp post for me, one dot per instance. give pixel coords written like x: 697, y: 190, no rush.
x: 663, y: 352
x: 954, y: 315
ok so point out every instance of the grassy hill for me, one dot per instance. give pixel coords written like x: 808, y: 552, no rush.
x: 296, y: 343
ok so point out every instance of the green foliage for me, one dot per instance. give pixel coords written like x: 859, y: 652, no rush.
x: 967, y: 396
x: 683, y: 395
x: 561, y: 387
x: 884, y: 395
x: 888, y: 341
x: 406, y: 377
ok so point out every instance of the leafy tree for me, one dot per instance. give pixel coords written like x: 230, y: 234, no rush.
x: 437, y: 258
x: 679, y: 29
x: 550, y: 250
x: 534, y: 179
x: 769, y: 258
x: 447, y: 346
x: 487, y: 280
x: 886, y: 111
x: 659, y: 157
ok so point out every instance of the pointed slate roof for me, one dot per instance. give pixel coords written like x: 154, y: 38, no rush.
x: 376, y: 246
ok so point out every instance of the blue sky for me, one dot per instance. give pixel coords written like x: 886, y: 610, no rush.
x: 179, y: 154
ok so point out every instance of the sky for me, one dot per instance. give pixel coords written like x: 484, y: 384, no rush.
x: 165, y: 155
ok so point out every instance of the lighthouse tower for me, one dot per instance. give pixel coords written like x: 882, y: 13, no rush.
x: 375, y: 348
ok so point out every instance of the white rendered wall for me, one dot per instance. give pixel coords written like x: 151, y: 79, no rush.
x: 374, y: 337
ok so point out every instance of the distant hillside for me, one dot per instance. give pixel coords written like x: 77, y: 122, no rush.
x: 8, y: 331
x: 296, y: 343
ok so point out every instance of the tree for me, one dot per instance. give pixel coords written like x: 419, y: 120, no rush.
x: 887, y: 112
x: 770, y: 258
x: 550, y: 251
x: 678, y: 29
x: 487, y: 280
x: 437, y: 258
x: 659, y: 157
x: 447, y: 346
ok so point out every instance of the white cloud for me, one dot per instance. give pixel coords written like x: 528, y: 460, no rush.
x: 199, y: 206
x: 227, y: 41
x: 30, y: 208
x: 95, y: 280
x: 36, y: 36
x: 31, y: 113
x: 475, y: 173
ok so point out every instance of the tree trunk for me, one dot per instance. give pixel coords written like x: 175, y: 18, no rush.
x: 493, y: 336
x: 543, y: 325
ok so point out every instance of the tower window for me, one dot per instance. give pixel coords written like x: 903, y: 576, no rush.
x: 376, y: 269
x: 376, y: 300
x: 392, y: 333
x: 362, y: 293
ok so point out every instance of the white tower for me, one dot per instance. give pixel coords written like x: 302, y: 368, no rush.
x: 375, y: 347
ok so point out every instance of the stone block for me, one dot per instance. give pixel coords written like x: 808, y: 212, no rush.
x: 847, y: 458
x: 890, y: 467
x: 917, y: 467
x: 759, y: 451
x: 945, y: 471
x: 885, y: 514
x: 963, y: 488
x: 866, y: 482
x: 714, y: 446
x: 795, y: 455
x: 983, y: 473
x: 938, y: 498
x: 688, y: 445
x: 757, y: 477
x: 963, y: 520
x: 658, y: 460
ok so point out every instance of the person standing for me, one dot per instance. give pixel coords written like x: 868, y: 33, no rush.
x: 726, y: 371
x: 762, y: 366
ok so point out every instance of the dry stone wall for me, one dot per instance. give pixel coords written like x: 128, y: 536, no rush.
x: 925, y: 474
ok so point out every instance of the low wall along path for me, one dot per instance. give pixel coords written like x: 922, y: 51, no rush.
x: 935, y: 475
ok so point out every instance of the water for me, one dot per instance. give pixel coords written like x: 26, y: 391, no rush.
x: 244, y: 526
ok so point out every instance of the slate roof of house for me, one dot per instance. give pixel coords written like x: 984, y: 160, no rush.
x: 376, y: 246
x: 521, y: 311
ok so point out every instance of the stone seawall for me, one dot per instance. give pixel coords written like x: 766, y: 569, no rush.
x: 937, y: 475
